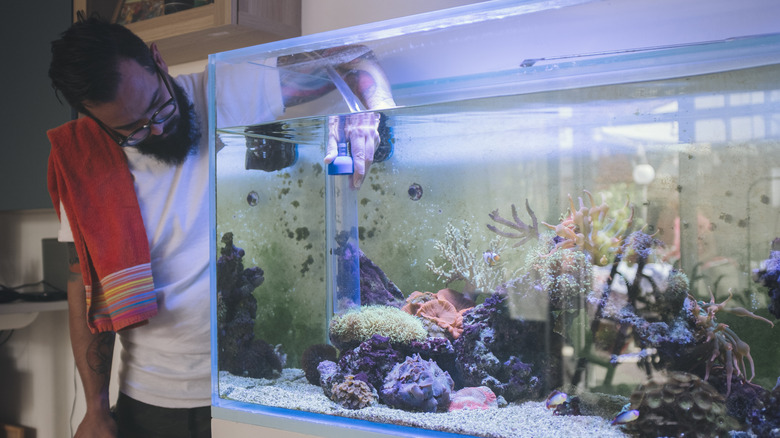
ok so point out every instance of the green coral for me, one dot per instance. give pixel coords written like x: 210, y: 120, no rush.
x: 565, y: 275
x: 349, y: 329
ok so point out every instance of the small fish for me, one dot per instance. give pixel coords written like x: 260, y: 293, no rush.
x: 490, y: 257
x: 626, y: 417
x: 632, y: 357
x: 555, y: 399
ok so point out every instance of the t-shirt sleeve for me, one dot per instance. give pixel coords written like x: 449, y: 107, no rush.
x: 248, y: 93
x: 64, y: 234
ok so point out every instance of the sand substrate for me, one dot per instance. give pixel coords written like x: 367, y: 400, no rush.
x: 529, y: 419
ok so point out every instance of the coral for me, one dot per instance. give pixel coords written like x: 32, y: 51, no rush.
x: 744, y: 399
x: 768, y: 275
x: 439, y: 309
x: 373, y: 358
x: 520, y: 381
x: 463, y: 264
x: 444, y: 315
x: 417, y: 385
x: 590, y: 229
x: 239, y: 352
x: 457, y: 299
x: 329, y: 375
x: 523, y: 231
x: 668, y: 300
x: 765, y: 420
x: 489, y: 349
x: 351, y: 328
x: 312, y: 357
x: 353, y: 393
x: 417, y: 299
x: 441, y: 351
x: 639, y: 247
x: 473, y: 397
x: 726, y: 345
x: 564, y: 275
x: 679, y: 404
x: 375, y: 287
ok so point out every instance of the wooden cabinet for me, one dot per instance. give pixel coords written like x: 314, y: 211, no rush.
x: 193, y: 34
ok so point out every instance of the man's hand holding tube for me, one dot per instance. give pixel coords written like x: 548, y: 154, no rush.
x: 362, y: 135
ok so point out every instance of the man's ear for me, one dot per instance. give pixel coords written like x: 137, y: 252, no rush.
x: 158, y: 59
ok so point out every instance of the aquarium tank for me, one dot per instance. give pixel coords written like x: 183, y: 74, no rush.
x: 551, y: 241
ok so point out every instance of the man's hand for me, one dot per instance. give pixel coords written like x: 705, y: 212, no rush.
x: 361, y: 132
x: 97, y: 424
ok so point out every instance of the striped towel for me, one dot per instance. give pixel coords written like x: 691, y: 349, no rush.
x: 89, y: 177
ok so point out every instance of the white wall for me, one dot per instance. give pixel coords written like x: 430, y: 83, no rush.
x: 322, y: 15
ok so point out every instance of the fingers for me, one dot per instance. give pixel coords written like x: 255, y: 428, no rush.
x: 361, y: 130
x: 331, y: 149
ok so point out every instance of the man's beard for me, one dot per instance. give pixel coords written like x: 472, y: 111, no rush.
x: 183, y: 133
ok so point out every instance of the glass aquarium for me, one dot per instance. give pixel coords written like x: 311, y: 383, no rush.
x: 548, y: 243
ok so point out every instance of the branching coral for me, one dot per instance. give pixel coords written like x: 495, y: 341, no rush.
x: 727, y: 346
x: 523, y: 231
x: 592, y: 230
x: 463, y: 264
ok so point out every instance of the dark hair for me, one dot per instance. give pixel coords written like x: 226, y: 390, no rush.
x: 84, y: 61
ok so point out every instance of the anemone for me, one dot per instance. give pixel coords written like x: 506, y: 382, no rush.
x: 727, y: 346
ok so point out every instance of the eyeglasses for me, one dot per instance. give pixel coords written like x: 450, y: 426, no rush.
x: 162, y: 115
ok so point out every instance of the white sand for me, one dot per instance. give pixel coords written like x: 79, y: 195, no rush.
x: 529, y: 419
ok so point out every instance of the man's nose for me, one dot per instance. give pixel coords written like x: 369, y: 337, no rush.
x: 157, y: 128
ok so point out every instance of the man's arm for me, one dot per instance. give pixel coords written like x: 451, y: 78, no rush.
x: 93, y: 354
x: 304, y: 76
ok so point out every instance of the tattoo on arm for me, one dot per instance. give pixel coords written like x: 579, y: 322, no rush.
x: 100, y: 353
x: 73, y: 256
x: 74, y: 269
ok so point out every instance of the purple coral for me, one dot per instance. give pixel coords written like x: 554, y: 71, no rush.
x: 312, y: 357
x: 239, y: 352
x: 765, y: 420
x: 417, y: 385
x: 374, y: 357
x: 769, y: 276
x: 375, y: 287
x: 489, y: 351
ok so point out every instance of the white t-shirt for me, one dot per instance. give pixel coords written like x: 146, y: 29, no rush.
x: 167, y: 361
